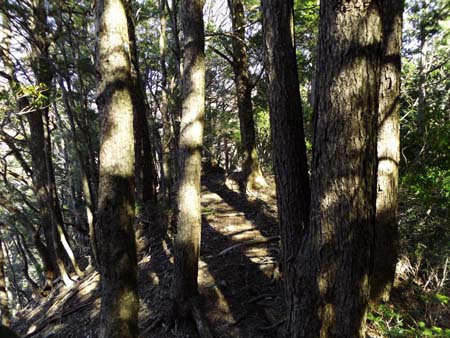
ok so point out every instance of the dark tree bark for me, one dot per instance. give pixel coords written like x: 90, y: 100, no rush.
x: 187, y: 241
x: 33, y: 285
x: 167, y: 139
x: 388, y: 152
x: 174, y: 104
x: 288, y: 139
x: 145, y: 172
x: 38, y: 165
x: 115, y: 240
x: 334, y: 263
x: 253, y: 178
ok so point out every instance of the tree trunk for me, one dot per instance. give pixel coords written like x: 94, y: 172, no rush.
x: 37, y: 162
x: 146, y: 180
x: 423, y: 67
x: 115, y: 240
x: 166, y: 185
x: 40, y: 147
x: 61, y: 242
x: 4, y: 307
x: 20, y: 250
x: 252, y: 175
x: 174, y: 108
x: 334, y: 263
x: 388, y: 153
x: 288, y: 139
x: 187, y: 241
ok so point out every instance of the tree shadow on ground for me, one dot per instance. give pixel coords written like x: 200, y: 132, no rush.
x: 245, y: 281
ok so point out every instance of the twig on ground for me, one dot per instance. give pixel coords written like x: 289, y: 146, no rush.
x: 252, y: 242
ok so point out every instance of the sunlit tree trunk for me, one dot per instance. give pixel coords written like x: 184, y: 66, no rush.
x: 334, y: 263
x: 253, y: 178
x: 4, y: 307
x: 423, y: 67
x: 388, y: 152
x: 115, y: 239
x: 187, y: 241
x: 288, y: 139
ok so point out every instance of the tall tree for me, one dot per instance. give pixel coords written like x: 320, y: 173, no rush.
x: 145, y: 172
x: 37, y: 161
x: 115, y: 240
x: 187, y: 241
x: 288, y: 139
x: 253, y: 178
x: 334, y: 263
x: 167, y: 138
x: 388, y: 152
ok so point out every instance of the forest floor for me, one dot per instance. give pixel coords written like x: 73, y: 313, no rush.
x: 239, y: 280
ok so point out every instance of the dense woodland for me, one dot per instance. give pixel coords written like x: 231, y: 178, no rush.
x: 233, y: 168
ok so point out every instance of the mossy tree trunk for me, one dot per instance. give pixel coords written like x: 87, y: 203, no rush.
x: 288, y: 139
x: 388, y: 152
x: 115, y: 239
x: 187, y: 241
x: 334, y: 263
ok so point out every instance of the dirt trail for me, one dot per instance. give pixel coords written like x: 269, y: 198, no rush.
x: 238, y: 276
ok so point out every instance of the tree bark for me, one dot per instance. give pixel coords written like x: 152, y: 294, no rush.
x: 40, y: 147
x: 252, y: 175
x: 334, y: 263
x: 115, y: 239
x: 288, y: 139
x: 175, y: 104
x: 187, y: 241
x: 388, y: 153
x: 4, y: 307
x: 166, y: 184
x: 145, y: 172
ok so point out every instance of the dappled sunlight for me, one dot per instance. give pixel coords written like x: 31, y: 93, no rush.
x: 238, y: 260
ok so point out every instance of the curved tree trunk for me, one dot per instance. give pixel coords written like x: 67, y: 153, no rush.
x: 115, y: 239
x: 253, y: 178
x: 388, y: 153
x: 187, y: 241
x: 334, y: 263
x: 288, y: 139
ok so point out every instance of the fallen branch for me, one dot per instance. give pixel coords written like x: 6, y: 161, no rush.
x: 252, y: 242
x: 56, y: 318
